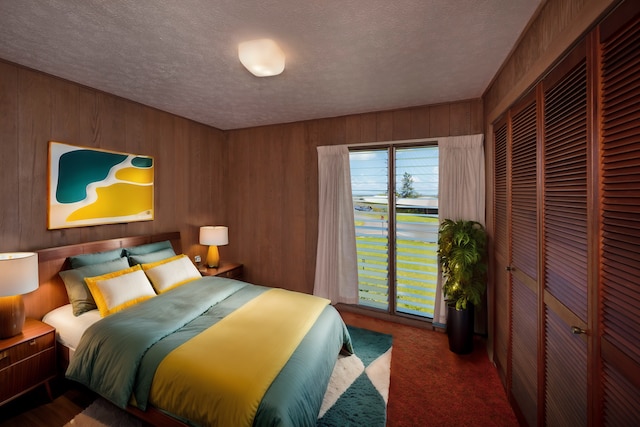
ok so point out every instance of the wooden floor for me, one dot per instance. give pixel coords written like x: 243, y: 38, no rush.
x: 35, y: 409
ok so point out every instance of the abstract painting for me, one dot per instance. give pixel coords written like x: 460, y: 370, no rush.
x: 89, y: 186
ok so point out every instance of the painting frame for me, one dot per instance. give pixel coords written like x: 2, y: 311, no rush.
x: 89, y: 186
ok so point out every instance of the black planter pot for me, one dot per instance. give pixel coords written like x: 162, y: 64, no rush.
x: 460, y: 329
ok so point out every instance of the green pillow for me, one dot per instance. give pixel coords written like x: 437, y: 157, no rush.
x: 148, y: 248
x: 151, y: 257
x: 95, y: 258
x: 79, y: 296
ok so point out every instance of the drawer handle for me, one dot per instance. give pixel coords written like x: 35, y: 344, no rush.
x: 4, y: 355
x: 32, y: 342
x: 576, y: 330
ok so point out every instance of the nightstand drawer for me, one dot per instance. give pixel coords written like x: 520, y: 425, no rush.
x: 232, y: 274
x: 28, y: 373
x: 226, y: 269
x: 26, y: 349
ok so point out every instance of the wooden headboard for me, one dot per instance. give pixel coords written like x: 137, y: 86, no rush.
x: 51, y: 293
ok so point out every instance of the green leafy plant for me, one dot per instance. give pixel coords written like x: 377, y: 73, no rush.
x: 462, y: 252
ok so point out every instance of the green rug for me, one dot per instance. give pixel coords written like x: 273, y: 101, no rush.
x: 359, y: 387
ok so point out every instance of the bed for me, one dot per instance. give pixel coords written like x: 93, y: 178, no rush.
x: 200, y: 351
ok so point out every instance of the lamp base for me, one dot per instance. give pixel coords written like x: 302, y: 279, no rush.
x: 11, y: 316
x: 213, y: 257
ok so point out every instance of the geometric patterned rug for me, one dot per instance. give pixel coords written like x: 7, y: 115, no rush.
x: 359, y: 387
x: 356, y: 396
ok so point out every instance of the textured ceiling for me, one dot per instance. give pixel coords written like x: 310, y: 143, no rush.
x: 343, y: 57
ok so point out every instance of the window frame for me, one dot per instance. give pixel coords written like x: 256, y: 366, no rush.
x: 391, y: 147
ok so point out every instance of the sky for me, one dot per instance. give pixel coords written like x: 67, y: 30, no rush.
x: 369, y: 170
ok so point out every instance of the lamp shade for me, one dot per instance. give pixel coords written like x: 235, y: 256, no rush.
x: 262, y: 57
x: 18, y: 273
x: 214, y: 235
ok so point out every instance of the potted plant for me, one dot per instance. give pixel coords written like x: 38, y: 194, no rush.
x: 463, y: 257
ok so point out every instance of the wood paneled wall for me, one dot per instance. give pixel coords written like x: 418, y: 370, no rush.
x: 272, y: 181
x: 557, y: 26
x: 262, y: 182
x: 36, y: 108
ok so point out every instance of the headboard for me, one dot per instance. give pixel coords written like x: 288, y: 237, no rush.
x: 51, y: 293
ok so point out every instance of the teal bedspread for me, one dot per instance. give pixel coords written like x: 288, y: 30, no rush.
x: 117, y: 356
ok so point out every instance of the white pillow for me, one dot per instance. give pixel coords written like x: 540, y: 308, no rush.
x: 121, y: 289
x: 171, y: 272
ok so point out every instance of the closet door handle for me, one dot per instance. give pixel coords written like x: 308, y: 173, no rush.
x: 577, y: 330
x: 509, y: 268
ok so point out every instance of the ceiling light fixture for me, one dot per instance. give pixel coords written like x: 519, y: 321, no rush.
x: 262, y: 57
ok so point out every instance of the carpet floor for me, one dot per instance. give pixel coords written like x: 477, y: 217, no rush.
x: 431, y: 386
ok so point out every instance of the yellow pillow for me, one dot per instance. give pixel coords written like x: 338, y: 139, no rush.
x: 118, y: 290
x: 171, y: 272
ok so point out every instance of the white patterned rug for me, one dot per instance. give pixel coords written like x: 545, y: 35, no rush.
x: 357, y: 394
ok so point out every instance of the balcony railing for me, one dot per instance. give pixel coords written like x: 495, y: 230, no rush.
x: 416, y: 261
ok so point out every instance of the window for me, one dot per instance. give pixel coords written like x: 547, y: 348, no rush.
x: 395, y: 199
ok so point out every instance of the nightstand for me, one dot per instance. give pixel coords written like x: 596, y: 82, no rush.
x: 27, y: 360
x: 230, y: 270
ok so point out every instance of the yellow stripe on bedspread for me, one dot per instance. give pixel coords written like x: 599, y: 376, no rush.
x: 220, y: 376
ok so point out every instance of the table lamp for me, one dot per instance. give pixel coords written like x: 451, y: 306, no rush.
x: 18, y: 275
x: 213, y: 236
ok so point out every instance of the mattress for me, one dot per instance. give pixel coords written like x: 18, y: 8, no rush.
x: 69, y: 328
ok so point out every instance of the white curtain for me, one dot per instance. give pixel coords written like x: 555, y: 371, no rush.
x: 336, y: 259
x: 461, y: 192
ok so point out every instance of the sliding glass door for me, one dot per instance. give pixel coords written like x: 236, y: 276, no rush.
x: 395, y: 199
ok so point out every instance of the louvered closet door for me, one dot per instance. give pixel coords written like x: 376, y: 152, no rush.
x: 524, y: 259
x: 501, y: 246
x: 620, y: 183
x: 565, y: 242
